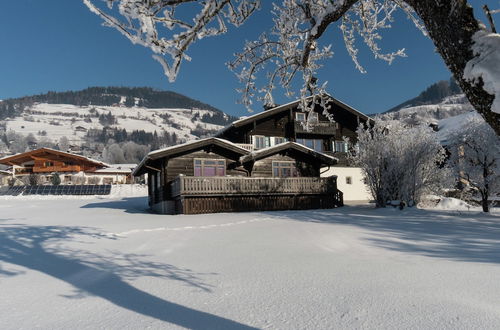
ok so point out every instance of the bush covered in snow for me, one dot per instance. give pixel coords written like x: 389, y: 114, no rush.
x: 399, y: 163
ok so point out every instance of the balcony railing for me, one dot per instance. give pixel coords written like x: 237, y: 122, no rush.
x: 187, y: 185
x: 49, y: 169
x: 246, y: 146
x: 322, y: 127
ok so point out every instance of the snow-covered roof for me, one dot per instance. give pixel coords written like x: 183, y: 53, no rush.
x: 117, y: 168
x: 287, y: 106
x: 187, y: 147
x: 53, y: 151
x: 449, y: 126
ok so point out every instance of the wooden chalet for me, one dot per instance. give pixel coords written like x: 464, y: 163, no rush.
x: 215, y: 175
x: 46, y: 160
x: 288, y: 123
x: 71, y: 168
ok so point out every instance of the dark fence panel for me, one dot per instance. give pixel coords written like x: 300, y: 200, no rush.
x: 71, y: 190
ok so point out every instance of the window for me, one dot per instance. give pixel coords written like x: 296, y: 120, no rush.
x: 300, y: 116
x: 284, y: 169
x: 260, y: 142
x: 209, y: 167
x: 278, y: 140
x: 315, y: 144
x: 47, y: 163
x: 339, y: 146
x: 348, y: 179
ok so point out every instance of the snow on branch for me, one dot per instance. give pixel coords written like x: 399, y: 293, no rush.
x: 291, y: 50
x: 158, y: 25
x: 484, y: 67
x: 288, y: 52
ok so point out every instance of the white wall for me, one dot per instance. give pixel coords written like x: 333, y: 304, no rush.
x: 357, y: 190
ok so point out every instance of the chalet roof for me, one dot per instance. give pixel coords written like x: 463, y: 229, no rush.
x: 188, y: 147
x: 285, y: 107
x: 117, y: 169
x: 27, y: 156
x: 289, y: 148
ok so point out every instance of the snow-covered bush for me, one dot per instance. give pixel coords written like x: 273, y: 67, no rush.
x: 399, y: 163
x: 475, y: 156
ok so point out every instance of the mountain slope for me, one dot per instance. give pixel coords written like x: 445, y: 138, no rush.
x: 143, y: 97
x: 100, y: 116
x: 434, y: 94
x: 441, y: 100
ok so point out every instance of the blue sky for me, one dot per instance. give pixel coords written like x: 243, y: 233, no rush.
x: 60, y: 45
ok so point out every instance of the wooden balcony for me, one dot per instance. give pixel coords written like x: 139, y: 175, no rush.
x: 50, y: 169
x: 203, y: 186
x: 322, y: 128
x: 195, y: 195
x: 245, y: 146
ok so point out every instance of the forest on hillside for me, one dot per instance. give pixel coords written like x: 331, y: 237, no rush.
x: 108, y: 96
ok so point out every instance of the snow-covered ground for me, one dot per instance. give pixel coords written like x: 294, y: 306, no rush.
x: 108, y: 263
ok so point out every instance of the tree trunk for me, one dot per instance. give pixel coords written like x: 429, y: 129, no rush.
x: 485, y: 204
x: 451, y: 25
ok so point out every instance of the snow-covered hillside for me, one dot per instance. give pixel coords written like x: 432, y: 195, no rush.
x: 72, y: 121
x: 431, y: 113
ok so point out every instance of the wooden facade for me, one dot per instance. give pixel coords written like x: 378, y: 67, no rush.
x: 46, y: 161
x: 283, y: 122
x: 71, y: 168
x: 246, y: 181
x: 268, y: 161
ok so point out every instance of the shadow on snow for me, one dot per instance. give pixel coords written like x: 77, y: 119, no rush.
x: 460, y: 236
x: 102, y: 276
x: 131, y: 205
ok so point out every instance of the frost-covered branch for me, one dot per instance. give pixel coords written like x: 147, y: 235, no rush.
x: 293, y: 45
x: 475, y: 155
x: 295, y: 48
x: 158, y: 25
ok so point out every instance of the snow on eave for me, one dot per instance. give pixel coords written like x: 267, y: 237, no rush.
x: 263, y: 153
x: 485, y: 65
x: 287, y: 106
x: 117, y: 168
x: 57, y: 152
x: 169, y: 150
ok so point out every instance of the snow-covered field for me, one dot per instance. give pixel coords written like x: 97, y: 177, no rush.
x: 61, y: 120
x: 107, y: 263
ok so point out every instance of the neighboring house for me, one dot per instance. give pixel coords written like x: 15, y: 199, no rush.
x: 72, y: 168
x: 80, y: 129
x: 286, y: 123
x: 215, y: 175
x: 115, y: 174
